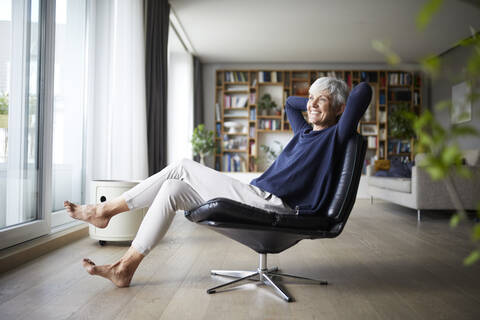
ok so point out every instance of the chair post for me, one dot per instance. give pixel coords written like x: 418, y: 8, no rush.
x: 263, y: 262
x: 262, y: 266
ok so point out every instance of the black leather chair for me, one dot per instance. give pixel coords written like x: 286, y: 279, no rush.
x: 270, y: 232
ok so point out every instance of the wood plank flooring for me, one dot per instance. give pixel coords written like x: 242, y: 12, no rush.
x: 384, y: 265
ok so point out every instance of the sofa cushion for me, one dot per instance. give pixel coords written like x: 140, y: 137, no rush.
x: 382, y: 165
x: 396, y: 184
x: 398, y: 169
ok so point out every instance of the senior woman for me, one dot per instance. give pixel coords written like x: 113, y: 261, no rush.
x: 298, y: 182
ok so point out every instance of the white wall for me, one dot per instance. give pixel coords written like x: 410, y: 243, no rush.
x: 453, y: 64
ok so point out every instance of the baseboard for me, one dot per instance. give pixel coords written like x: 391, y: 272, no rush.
x: 14, y: 256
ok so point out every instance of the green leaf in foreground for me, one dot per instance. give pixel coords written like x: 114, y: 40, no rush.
x: 454, y: 220
x: 383, y: 48
x: 426, y: 13
x: 476, y: 232
x: 431, y: 64
x: 472, y: 258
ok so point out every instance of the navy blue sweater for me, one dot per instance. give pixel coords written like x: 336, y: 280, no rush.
x: 302, y: 175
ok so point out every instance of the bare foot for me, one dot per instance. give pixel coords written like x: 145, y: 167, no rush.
x: 90, y: 213
x: 119, y: 275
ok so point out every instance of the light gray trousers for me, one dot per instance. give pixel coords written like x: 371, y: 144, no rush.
x: 184, y: 185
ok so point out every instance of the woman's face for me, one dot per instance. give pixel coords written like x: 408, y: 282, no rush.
x: 320, y: 113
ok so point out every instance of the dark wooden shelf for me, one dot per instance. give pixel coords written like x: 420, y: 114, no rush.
x: 292, y: 80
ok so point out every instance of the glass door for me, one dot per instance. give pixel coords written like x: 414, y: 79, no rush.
x: 24, y: 106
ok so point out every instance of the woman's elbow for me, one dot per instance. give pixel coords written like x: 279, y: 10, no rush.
x: 288, y: 102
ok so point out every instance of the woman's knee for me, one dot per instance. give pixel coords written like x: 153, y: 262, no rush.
x: 174, y: 186
x: 185, y: 163
x: 180, y: 194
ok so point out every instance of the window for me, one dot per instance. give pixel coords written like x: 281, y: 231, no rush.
x: 180, y: 99
x: 20, y: 157
x: 69, y: 105
x: 41, y: 121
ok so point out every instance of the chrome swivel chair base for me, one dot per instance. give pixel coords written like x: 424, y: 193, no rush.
x: 262, y: 275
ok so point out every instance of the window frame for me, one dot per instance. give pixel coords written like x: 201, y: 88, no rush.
x: 15, y: 234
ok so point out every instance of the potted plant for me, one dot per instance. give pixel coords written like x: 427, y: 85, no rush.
x: 399, y: 124
x: 265, y: 104
x: 202, y: 142
x: 4, y: 110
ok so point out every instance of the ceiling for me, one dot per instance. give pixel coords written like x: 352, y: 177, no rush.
x: 335, y: 31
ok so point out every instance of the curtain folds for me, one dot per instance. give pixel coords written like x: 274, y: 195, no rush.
x: 156, y: 75
x: 117, y: 126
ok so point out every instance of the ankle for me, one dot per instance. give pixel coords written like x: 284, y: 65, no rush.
x: 102, y: 210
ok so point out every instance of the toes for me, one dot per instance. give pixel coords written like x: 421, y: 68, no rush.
x: 86, y: 260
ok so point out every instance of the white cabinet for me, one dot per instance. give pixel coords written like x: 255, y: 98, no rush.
x: 123, y: 226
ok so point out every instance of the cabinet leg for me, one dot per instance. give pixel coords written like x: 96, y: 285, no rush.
x: 371, y: 199
x: 418, y: 215
x: 102, y: 242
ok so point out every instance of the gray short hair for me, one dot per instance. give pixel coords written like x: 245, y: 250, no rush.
x: 337, y: 89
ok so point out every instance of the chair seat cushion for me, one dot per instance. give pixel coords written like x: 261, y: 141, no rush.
x: 395, y: 184
x: 227, y: 210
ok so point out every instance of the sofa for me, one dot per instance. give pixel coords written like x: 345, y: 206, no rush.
x: 420, y: 192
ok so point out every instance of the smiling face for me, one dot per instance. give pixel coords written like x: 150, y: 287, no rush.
x: 320, y: 112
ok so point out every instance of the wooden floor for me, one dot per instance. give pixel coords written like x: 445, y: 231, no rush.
x: 383, y: 266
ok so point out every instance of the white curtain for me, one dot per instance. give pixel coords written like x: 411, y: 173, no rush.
x: 180, y: 100
x: 117, y: 139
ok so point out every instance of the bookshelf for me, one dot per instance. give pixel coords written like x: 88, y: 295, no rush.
x: 239, y: 123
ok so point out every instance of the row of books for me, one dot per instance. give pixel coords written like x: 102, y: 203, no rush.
x: 383, y: 80
x: 235, y: 101
x: 234, y: 163
x: 253, y: 148
x: 269, y: 76
x: 253, y: 114
x: 252, y: 132
x: 382, y: 98
x: 269, y: 124
x: 399, y: 78
x: 253, y: 98
x: 398, y: 146
x: 235, y: 76
x: 416, y: 98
